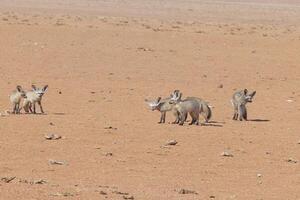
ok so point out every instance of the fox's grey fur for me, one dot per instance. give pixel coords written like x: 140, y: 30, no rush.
x: 34, y: 96
x: 182, y: 108
x: 239, y: 101
x: 162, y: 105
x: 15, y: 99
x: 205, y: 110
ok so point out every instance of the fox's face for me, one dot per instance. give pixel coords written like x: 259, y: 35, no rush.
x: 39, y: 91
x: 249, y: 97
x: 154, y: 105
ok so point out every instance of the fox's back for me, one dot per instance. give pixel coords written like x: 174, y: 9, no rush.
x: 188, y: 105
x: 31, y: 96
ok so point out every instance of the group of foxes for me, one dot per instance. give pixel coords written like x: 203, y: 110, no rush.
x: 30, y: 98
x: 196, y: 106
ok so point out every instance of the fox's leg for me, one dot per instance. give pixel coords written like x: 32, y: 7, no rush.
x: 18, y: 108
x: 235, y: 112
x: 161, y: 117
x: 245, y: 114
x: 181, y: 118
x: 164, y: 117
x: 34, y: 111
x: 176, y: 114
x: 30, y: 107
x: 241, y: 112
x: 193, y: 116
x: 41, y: 107
x: 14, y: 108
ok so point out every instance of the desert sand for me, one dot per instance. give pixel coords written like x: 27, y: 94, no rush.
x: 101, y: 59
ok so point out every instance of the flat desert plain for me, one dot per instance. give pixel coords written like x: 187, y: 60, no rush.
x: 101, y: 59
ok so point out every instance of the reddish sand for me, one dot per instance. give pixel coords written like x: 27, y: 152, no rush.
x: 101, y: 59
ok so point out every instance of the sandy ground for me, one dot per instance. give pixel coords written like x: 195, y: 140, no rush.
x: 101, y: 59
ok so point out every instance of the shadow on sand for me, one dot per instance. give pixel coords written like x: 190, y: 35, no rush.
x: 258, y: 120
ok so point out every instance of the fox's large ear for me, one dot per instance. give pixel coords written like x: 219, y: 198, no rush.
x: 179, y: 96
x: 33, y: 87
x: 19, y: 88
x: 158, y: 99
x: 45, y: 88
x: 245, y: 91
x: 252, y: 94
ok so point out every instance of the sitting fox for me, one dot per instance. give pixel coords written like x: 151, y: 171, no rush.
x: 239, y: 101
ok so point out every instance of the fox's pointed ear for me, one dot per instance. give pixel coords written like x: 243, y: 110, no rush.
x: 45, y: 88
x: 245, y: 91
x: 253, y: 93
x: 158, y: 99
x: 19, y: 88
x: 33, y: 87
x: 179, y: 96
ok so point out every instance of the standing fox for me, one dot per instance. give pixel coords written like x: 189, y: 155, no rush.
x: 182, y: 108
x: 205, y: 110
x: 15, y: 99
x: 239, y: 101
x: 34, y: 96
x: 162, y: 105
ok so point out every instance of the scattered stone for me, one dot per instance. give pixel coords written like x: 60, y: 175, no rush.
x: 103, y: 193
x: 185, y: 191
x: 171, y: 142
x: 212, y: 196
x: 55, y: 162
x: 51, y: 124
x: 128, y: 197
x: 41, y: 181
x: 110, y: 127
x: 8, y: 179
x: 64, y: 194
x: 52, y: 137
x: 121, y: 193
x: 109, y: 154
x: 291, y: 160
x: 226, y: 154
x: 220, y: 86
x: 144, y: 49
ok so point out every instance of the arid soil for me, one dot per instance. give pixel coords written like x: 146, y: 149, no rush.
x: 101, y: 59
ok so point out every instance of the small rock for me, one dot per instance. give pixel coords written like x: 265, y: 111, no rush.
x: 291, y: 160
x: 226, y: 154
x: 259, y: 175
x: 55, y: 162
x: 109, y: 154
x: 8, y: 179
x: 41, y: 181
x: 212, y: 196
x: 185, y: 191
x: 220, y: 86
x: 289, y: 100
x: 128, y: 197
x: 110, y: 127
x: 103, y: 193
x: 172, y: 142
x: 52, y: 137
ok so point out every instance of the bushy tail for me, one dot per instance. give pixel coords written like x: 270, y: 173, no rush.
x: 206, y: 111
